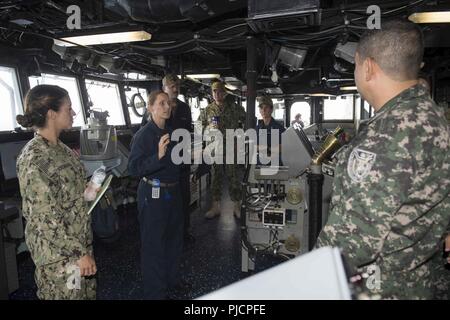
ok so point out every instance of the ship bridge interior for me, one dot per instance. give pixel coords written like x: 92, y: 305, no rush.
x: 301, y: 54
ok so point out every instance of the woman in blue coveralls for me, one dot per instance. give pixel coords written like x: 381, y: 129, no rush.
x: 159, y: 201
x: 268, y: 123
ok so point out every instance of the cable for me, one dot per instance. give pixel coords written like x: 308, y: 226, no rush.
x: 14, y: 4
x: 222, y: 40
x: 163, y: 48
x: 314, y: 34
x: 133, y: 63
x: 308, y: 46
x: 52, y: 38
x: 391, y: 11
x: 232, y: 27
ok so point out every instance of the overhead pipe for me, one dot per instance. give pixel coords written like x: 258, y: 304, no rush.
x: 172, y: 11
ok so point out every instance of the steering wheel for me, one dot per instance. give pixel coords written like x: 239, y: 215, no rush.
x: 138, y: 104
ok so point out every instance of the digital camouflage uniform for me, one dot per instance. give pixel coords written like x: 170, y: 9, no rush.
x: 440, y: 271
x: 390, y: 206
x: 58, y: 230
x: 229, y: 117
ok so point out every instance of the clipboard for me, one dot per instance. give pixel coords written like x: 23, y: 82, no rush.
x: 100, y: 194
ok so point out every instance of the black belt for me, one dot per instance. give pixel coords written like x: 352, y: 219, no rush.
x: 161, y: 184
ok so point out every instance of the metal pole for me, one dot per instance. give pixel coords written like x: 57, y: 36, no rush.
x: 315, y: 182
x: 251, y: 82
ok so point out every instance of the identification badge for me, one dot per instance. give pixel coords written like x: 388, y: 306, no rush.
x: 155, y: 189
x: 215, y: 120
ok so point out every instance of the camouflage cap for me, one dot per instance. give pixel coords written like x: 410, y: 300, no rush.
x: 218, y: 85
x: 170, y: 78
x: 265, y: 100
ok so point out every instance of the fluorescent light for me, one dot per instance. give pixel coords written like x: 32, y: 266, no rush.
x: 349, y: 88
x: 105, y: 38
x: 320, y: 95
x: 203, y: 76
x: 22, y: 22
x: 135, y: 76
x: 430, y: 17
x: 230, y: 87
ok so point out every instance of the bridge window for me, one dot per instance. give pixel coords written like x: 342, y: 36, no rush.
x: 68, y: 83
x: 278, y: 110
x: 140, y: 109
x: 304, y: 109
x: 339, y: 108
x: 196, y: 105
x: 367, y: 111
x: 10, y: 96
x: 105, y: 97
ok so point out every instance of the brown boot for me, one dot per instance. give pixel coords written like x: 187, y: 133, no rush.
x: 214, y: 211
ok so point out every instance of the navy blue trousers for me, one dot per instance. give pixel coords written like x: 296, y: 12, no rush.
x: 185, y: 186
x: 161, y: 227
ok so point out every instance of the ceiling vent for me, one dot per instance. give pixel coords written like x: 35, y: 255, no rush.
x: 269, y: 15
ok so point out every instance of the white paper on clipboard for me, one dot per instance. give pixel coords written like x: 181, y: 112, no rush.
x: 100, y: 194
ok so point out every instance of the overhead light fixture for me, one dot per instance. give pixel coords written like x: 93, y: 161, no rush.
x: 430, y: 17
x: 135, y: 76
x: 204, y: 76
x: 230, y: 87
x: 349, y: 88
x: 104, y: 38
x: 320, y: 95
x: 22, y: 22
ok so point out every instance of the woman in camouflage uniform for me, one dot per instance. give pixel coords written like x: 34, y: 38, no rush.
x: 52, y: 181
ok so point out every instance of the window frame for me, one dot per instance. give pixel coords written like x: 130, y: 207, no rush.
x: 310, y: 112
x: 128, y: 109
x: 77, y: 81
x: 16, y: 70
x: 122, y: 96
x: 339, y: 120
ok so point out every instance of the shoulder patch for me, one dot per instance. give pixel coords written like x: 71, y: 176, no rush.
x: 44, y: 165
x: 360, y: 163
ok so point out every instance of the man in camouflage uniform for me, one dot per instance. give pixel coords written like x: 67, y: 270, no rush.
x: 58, y: 230
x: 223, y: 114
x: 440, y: 267
x: 390, y: 208
x: 440, y: 270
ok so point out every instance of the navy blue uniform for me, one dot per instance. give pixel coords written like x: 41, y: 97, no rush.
x: 272, y: 125
x: 181, y: 118
x: 160, y: 220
